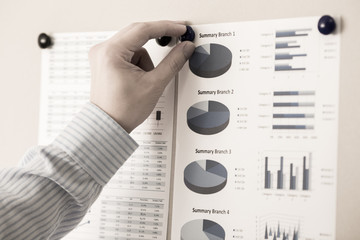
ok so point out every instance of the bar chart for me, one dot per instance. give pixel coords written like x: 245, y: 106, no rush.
x: 286, y: 171
x: 293, y: 110
x: 290, y: 50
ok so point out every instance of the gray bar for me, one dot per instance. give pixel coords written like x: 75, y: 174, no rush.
x: 293, y: 183
x: 266, y: 232
x: 280, y: 175
x: 293, y: 115
x: 268, y: 180
x: 305, y: 176
x: 283, y: 67
x: 267, y: 174
x: 293, y: 127
x: 293, y: 104
x: 292, y: 178
x: 293, y: 93
x: 285, y: 56
x: 282, y: 45
x: 296, y: 235
x: 292, y: 33
x: 278, y: 231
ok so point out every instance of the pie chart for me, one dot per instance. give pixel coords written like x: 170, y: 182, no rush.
x: 210, y: 60
x: 205, y: 176
x: 208, y: 117
x: 202, y: 229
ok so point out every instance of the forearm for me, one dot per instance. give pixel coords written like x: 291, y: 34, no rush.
x: 50, y: 195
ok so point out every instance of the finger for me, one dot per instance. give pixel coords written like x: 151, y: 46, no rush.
x: 143, y: 60
x: 172, y: 63
x: 136, y: 35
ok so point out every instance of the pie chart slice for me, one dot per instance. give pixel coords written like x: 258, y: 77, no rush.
x: 210, y: 60
x: 202, y: 229
x: 205, y: 176
x: 208, y: 117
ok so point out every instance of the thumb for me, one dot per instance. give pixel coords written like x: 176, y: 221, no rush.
x: 173, y: 62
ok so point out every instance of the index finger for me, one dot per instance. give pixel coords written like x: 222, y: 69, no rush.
x: 136, y: 35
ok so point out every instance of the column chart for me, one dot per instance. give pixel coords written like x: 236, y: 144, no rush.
x: 286, y: 171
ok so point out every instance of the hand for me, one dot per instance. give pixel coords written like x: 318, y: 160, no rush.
x: 124, y: 82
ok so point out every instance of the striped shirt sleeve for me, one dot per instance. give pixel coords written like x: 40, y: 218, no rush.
x: 48, y: 196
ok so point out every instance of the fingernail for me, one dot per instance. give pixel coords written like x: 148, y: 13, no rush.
x: 188, y: 49
x: 189, y: 35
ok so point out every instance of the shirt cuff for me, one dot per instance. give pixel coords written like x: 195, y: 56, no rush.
x: 96, y: 142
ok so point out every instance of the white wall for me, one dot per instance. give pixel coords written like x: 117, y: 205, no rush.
x: 22, y: 20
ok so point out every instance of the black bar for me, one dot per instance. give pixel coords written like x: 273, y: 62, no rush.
x: 158, y: 115
x: 280, y: 175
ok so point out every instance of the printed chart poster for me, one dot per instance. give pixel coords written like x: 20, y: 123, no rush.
x: 256, y: 126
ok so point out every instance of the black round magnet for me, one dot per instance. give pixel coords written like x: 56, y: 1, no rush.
x: 326, y: 24
x: 163, y: 41
x: 189, y: 35
x: 44, y: 41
